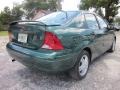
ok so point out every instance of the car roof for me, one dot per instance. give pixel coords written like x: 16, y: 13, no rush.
x: 84, y: 12
x: 80, y: 11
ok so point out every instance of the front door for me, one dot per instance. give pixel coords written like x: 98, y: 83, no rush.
x: 108, y: 36
x: 96, y: 33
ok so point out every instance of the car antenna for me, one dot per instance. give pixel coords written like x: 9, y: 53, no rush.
x: 65, y: 14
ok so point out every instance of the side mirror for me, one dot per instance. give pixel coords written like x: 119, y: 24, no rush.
x: 117, y: 28
x: 110, y: 27
x: 113, y: 27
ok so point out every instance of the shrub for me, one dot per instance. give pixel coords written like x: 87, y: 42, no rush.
x: 3, y: 27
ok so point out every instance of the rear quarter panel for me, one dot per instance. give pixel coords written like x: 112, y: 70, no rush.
x: 75, y: 39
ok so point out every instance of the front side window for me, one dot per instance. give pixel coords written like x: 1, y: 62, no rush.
x: 102, y: 23
x: 91, y: 21
x: 78, y: 22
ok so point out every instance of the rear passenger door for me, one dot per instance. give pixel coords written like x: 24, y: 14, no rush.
x: 96, y: 34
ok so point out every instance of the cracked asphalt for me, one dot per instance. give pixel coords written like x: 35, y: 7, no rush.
x: 103, y: 74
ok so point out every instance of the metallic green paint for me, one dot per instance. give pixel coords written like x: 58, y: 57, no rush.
x: 45, y: 60
x: 74, y: 41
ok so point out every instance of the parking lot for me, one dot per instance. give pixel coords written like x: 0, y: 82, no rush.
x: 104, y: 74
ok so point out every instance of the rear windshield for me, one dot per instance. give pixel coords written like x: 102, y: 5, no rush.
x: 57, y: 18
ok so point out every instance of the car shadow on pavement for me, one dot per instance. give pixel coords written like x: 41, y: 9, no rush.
x: 42, y: 79
x: 106, y: 56
x: 46, y: 80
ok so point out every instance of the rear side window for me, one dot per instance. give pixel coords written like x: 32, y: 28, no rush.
x: 57, y: 18
x: 78, y: 22
x: 91, y: 21
x: 102, y: 23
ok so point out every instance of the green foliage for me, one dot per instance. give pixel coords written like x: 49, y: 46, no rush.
x: 117, y: 20
x: 31, y: 5
x: 53, y: 5
x: 26, y: 8
x: 16, y: 13
x: 100, y: 12
x: 111, y: 6
x: 7, y: 16
x: 0, y: 26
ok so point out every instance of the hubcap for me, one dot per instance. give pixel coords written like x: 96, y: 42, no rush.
x: 83, y: 67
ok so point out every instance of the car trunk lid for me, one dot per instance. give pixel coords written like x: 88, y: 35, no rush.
x: 29, y: 34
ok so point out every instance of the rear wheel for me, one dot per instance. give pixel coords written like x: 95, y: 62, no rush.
x: 81, y: 68
x: 112, y: 49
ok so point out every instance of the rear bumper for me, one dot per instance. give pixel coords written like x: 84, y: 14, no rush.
x: 43, y: 59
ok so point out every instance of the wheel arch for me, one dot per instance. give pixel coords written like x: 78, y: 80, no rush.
x: 89, y: 51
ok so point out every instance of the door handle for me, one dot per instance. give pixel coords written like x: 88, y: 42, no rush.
x: 93, y: 33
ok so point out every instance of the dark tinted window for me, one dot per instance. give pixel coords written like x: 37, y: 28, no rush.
x: 57, y: 18
x: 78, y: 22
x: 91, y: 21
x: 102, y: 23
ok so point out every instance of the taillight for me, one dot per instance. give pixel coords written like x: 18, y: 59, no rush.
x: 52, y: 42
x: 10, y: 36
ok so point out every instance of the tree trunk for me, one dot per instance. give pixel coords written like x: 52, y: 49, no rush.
x: 59, y: 5
x: 108, y: 12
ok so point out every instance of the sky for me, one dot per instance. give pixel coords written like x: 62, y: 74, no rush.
x: 70, y: 4
x: 66, y: 4
x: 8, y: 3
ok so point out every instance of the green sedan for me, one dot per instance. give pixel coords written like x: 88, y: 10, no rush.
x: 64, y: 41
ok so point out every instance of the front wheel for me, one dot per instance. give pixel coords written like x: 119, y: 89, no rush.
x: 80, y: 70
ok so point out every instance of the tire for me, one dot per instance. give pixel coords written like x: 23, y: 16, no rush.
x: 79, y: 71
x: 112, y: 48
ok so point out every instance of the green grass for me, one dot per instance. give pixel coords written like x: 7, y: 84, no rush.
x: 3, y: 33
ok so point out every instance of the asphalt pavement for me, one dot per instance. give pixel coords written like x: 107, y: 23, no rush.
x: 103, y: 74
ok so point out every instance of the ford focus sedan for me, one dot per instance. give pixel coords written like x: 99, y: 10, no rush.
x: 64, y: 41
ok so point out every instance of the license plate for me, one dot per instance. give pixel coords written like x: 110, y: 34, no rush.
x: 22, y: 38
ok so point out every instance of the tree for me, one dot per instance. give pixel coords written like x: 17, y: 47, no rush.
x: 53, y: 5
x: 17, y: 12
x: 31, y: 5
x: 111, y: 6
x: 117, y: 20
x: 5, y: 16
